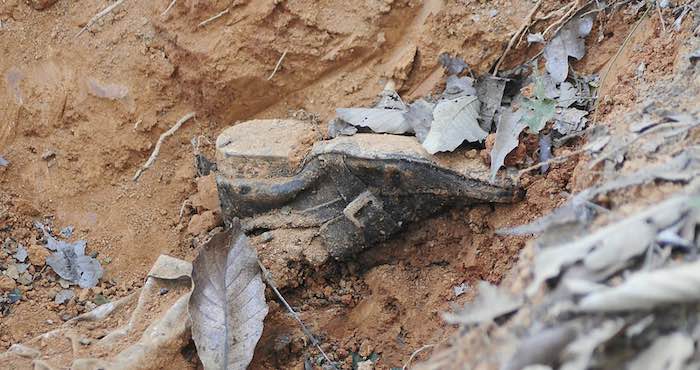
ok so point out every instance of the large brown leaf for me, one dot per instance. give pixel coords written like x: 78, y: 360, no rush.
x: 227, y: 306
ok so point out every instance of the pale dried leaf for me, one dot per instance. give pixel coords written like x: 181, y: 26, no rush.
x: 70, y: 262
x: 669, y: 352
x: 507, y: 132
x: 107, y: 91
x: 541, y: 348
x: 338, y: 127
x: 490, y: 93
x: 570, y: 120
x: 648, y: 289
x: 567, y: 95
x: 391, y: 121
x: 568, y: 42
x: 455, y: 120
x: 577, y: 355
x: 420, y: 118
x: 4, y: 162
x: 535, y: 38
x: 454, y: 65
x: 227, y: 306
x: 458, y: 86
x: 488, y: 305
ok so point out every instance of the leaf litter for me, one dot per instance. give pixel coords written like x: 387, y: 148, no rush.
x: 227, y: 305
x: 69, y: 260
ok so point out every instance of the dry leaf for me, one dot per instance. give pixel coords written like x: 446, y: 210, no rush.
x: 390, y: 121
x: 490, y: 92
x: 507, y: 132
x: 227, y: 306
x: 488, y: 305
x: 648, y: 289
x: 669, y: 352
x: 568, y: 42
x: 455, y: 121
x: 420, y: 118
x: 577, y: 355
x: 541, y: 348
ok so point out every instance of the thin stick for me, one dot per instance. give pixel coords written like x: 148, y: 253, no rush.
x: 99, y: 15
x: 172, y: 4
x: 516, y: 36
x: 550, y: 161
x: 414, y: 354
x: 661, y: 16
x: 162, y: 138
x: 277, y: 66
x: 574, y: 9
x: 207, y: 21
x: 182, y: 209
x: 268, y: 279
x: 614, y: 59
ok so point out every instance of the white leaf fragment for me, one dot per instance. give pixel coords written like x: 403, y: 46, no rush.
x: 577, y: 355
x: 568, y: 42
x: 669, y: 352
x: 380, y: 120
x: 455, y: 120
x: 488, y: 305
x: 648, y: 289
x: 507, y: 132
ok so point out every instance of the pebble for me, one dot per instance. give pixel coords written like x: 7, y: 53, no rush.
x: 266, y: 236
x: 25, y: 279
x: 37, y: 255
x: 7, y: 283
x: 12, y: 272
x: 85, y: 341
x: 163, y: 291
x: 63, y: 296
x: 21, y: 254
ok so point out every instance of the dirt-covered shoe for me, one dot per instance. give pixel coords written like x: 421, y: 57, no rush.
x: 342, y: 195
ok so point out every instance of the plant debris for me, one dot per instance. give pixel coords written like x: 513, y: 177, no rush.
x: 491, y: 303
x: 227, y: 306
x: 70, y: 262
x: 455, y: 121
x: 569, y: 42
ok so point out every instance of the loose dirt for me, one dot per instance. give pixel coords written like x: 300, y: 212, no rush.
x: 73, y: 154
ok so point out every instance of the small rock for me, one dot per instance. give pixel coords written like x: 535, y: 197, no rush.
x: 14, y: 296
x: 41, y: 4
x: 84, y: 295
x: 63, y: 296
x: 266, y: 236
x: 21, y: 254
x: 48, y: 155
x: 85, y: 341
x: 25, y: 279
x: 7, y: 283
x: 65, y: 284
x: 37, y: 255
x: 22, y: 267
x: 202, y: 223
x: 12, y: 272
x: 207, y: 197
x: 163, y: 291
x: 366, y: 349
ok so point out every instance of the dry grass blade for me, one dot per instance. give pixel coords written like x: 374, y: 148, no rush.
x: 209, y: 20
x: 277, y: 66
x: 162, y: 138
x: 172, y: 4
x: 99, y: 15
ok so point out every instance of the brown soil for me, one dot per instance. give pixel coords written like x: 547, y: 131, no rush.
x: 338, y: 54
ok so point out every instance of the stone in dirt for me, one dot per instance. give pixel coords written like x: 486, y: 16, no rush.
x: 207, y: 198
x: 203, y: 222
x: 37, y: 255
x: 41, y: 4
x: 7, y: 283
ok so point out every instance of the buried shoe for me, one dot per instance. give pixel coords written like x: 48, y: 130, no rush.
x: 339, y: 196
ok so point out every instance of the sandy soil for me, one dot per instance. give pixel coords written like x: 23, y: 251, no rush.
x: 73, y: 154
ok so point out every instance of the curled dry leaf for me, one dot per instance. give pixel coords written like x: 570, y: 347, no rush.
x: 669, y: 352
x: 455, y: 121
x: 577, y: 355
x: 569, y: 42
x: 227, y: 306
x: 70, y: 262
x: 648, y: 289
x: 488, y: 305
x: 507, y: 132
x: 490, y: 92
x: 381, y: 120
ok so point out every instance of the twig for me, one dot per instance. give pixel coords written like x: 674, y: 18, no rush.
x: 136, y: 125
x: 277, y: 66
x: 561, y: 158
x: 516, y: 36
x: 661, y: 16
x: 99, y: 15
x: 172, y: 4
x: 414, y: 354
x: 182, y: 209
x: 209, y: 20
x: 563, y: 20
x: 268, y: 279
x: 614, y: 59
x: 162, y: 138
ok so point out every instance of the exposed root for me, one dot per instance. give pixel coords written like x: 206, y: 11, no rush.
x: 212, y: 19
x: 414, y: 354
x: 162, y: 138
x: 565, y: 19
x: 277, y: 66
x: 99, y: 15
